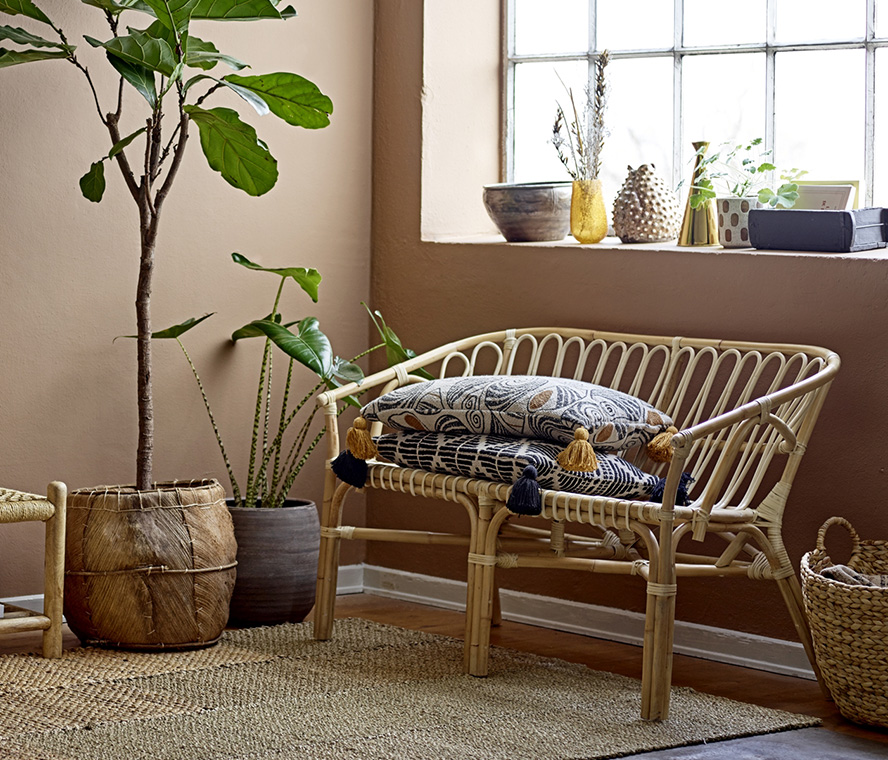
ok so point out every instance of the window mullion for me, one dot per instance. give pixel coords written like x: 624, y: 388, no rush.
x: 770, y: 76
x: 869, y: 138
x: 507, y: 100
x: 677, y: 124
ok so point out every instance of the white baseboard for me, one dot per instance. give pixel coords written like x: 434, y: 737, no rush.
x: 32, y: 602
x: 706, y: 642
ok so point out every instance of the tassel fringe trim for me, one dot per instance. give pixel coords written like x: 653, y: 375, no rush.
x: 660, y: 449
x: 579, y: 456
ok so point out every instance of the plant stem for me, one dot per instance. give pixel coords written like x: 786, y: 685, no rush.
x: 235, y: 491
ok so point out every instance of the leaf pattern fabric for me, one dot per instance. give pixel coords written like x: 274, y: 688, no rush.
x: 521, y: 406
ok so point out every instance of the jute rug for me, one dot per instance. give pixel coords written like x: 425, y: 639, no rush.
x: 374, y: 691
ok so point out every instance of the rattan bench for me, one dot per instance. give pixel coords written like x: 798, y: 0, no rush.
x: 744, y: 412
x: 18, y: 506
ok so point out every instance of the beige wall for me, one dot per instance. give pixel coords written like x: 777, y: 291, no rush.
x: 444, y: 291
x: 67, y: 394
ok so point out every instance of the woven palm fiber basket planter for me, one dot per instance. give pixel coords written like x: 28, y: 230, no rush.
x: 149, y: 569
x: 849, y: 625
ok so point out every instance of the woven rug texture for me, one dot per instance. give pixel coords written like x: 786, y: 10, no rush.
x: 373, y: 691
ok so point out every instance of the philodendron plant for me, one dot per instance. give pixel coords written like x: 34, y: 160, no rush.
x: 744, y: 171
x: 156, y: 54
x: 279, y: 450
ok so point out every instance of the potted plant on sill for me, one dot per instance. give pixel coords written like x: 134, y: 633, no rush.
x: 152, y: 564
x: 278, y: 536
x: 738, y: 177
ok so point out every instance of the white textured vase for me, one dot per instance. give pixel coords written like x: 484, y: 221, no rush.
x: 733, y: 221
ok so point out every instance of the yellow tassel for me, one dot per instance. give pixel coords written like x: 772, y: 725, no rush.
x: 579, y: 456
x: 660, y: 448
x: 359, y: 442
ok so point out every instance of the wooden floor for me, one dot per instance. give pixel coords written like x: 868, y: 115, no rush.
x: 742, y: 684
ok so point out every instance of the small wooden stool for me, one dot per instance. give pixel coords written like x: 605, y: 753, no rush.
x: 16, y: 506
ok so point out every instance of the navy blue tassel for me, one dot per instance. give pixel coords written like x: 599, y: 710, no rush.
x: 349, y: 469
x: 681, y: 498
x: 525, y: 498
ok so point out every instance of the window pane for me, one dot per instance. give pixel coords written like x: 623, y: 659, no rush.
x: 537, y: 94
x: 723, y: 100
x: 618, y: 25
x: 880, y: 181
x: 723, y: 22
x: 824, y: 137
x: 553, y: 26
x: 639, y: 120
x: 812, y: 20
x: 881, y: 18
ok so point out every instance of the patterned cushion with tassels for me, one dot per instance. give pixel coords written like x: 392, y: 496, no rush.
x: 522, y: 406
x: 503, y: 459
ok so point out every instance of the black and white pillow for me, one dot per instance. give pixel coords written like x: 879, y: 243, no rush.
x: 503, y: 459
x: 522, y: 406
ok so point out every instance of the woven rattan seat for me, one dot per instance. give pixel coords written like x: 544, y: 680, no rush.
x: 19, y: 506
x: 744, y: 412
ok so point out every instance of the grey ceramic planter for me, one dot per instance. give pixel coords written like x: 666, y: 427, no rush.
x: 277, y: 563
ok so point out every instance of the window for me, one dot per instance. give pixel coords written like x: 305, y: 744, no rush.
x: 810, y: 77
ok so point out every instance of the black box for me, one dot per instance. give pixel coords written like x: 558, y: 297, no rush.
x: 832, y: 231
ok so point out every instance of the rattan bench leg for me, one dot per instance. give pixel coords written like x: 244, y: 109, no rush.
x: 489, y: 525
x: 655, y: 687
x: 328, y: 561
x: 54, y: 570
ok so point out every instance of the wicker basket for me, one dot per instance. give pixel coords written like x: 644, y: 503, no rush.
x: 849, y: 625
x: 149, y: 569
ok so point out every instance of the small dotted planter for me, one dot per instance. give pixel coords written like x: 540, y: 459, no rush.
x: 733, y: 221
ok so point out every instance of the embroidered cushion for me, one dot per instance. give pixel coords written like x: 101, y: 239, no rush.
x: 503, y: 459
x: 523, y: 406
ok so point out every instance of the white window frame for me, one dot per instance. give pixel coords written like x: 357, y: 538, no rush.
x: 869, y: 44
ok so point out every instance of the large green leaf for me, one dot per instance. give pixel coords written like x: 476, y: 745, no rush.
x: 198, y: 53
x: 395, y: 353
x: 121, y: 144
x: 21, y: 37
x: 233, y: 150
x: 173, y: 14
x: 140, y: 49
x: 250, y: 331
x: 308, y: 346
x: 239, y: 10
x: 92, y: 184
x: 291, y: 97
x: 117, y: 6
x: 205, y: 55
x: 25, y: 7
x: 176, y: 330
x: 252, y: 98
x: 347, y: 371
x: 14, y: 57
x: 138, y: 76
x: 307, y: 279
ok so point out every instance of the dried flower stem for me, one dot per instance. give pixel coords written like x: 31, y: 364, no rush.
x: 586, y: 134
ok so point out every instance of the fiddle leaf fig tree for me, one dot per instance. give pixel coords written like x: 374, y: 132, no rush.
x: 175, y: 73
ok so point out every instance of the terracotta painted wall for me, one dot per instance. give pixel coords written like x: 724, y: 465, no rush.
x: 441, y: 291
x: 67, y: 393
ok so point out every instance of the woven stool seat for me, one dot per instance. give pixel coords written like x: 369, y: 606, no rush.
x: 20, y: 506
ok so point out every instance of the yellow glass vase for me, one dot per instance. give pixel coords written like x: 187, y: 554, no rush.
x: 588, y: 218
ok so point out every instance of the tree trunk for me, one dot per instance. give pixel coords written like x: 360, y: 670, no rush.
x: 144, y: 455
